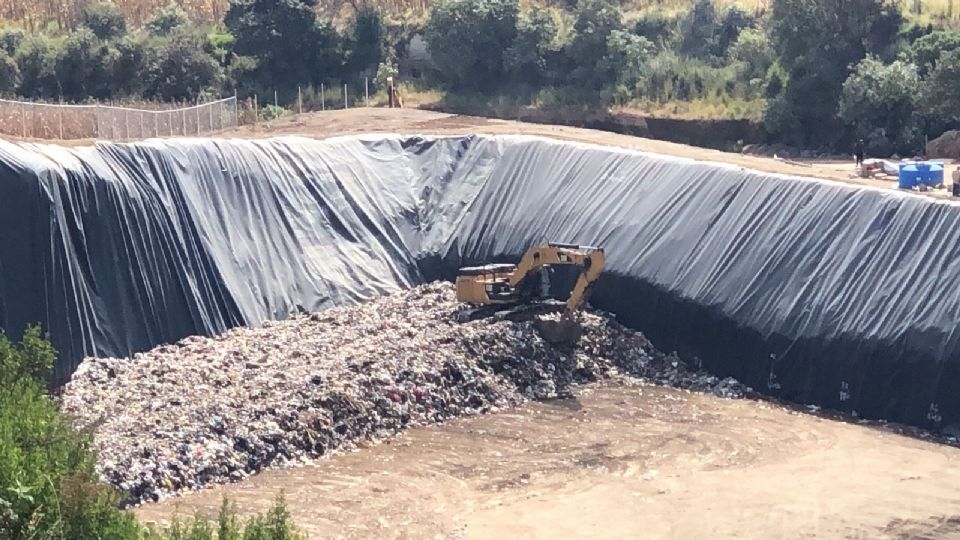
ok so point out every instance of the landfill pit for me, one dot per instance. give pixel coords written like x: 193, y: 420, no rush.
x: 213, y: 410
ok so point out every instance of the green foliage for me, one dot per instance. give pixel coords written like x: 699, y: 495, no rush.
x: 468, y: 40
x: 36, y: 58
x: 46, y: 484
x: 168, y: 19
x: 626, y: 55
x: 658, y: 27
x: 941, y: 98
x: 817, y: 41
x: 105, y: 19
x: 10, y: 40
x: 291, y: 47
x: 9, y: 73
x: 753, y: 52
x: 80, y: 67
x: 879, y: 101
x: 272, y: 112
x: 178, y: 68
x: 386, y: 69
x: 526, y: 58
x: 367, y: 41
x: 925, y: 51
x: 595, y: 21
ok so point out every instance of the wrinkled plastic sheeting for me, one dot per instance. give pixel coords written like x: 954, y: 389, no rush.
x: 812, y: 290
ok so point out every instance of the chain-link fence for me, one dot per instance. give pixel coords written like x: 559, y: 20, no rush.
x: 55, y: 121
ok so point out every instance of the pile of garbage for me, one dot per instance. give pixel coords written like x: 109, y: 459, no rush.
x: 207, y: 410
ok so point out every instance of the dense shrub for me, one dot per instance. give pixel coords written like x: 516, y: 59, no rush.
x: 105, y: 19
x: 167, y: 20
x: 879, y: 101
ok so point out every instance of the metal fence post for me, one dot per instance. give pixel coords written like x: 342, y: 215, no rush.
x: 143, y: 135
x: 299, y: 100
x: 323, y: 93
x: 183, y: 124
x: 60, y: 110
x: 366, y: 91
x: 198, y: 118
x: 96, y: 120
x: 23, y: 118
x: 210, y: 108
x: 256, y: 111
x: 156, y: 124
x: 346, y: 103
x: 126, y: 124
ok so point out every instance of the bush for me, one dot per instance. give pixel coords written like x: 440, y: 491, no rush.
x: 46, y: 485
x: 926, y: 51
x: 753, y: 51
x: 879, y: 101
x: 587, y: 51
x: 36, y: 59
x: 105, y: 19
x: 941, y: 98
x: 526, y: 58
x: 10, y: 40
x: 167, y: 20
x: 80, y: 69
x: 177, y: 68
x: 659, y: 28
x: 9, y: 74
x: 272, y: 112
x: 467, y: 41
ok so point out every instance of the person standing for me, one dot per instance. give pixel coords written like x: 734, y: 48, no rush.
x: 858, y: 152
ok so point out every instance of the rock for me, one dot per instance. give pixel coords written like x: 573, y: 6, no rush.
x: 946, y: 146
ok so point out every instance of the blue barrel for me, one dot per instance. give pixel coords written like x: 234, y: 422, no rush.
x: 934, y: 175
x: 909, y: 176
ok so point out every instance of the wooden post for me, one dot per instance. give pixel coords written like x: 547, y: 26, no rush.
x: 390, y: 91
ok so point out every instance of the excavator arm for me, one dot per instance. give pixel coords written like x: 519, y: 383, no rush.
x: 502, y: 283
x: 589, y: 259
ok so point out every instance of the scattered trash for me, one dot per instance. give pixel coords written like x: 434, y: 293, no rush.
x: 208, y: 410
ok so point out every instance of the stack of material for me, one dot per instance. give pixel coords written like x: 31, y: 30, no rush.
x: 215, y: 409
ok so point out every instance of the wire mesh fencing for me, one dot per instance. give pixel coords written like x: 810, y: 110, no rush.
x: 35, y: 120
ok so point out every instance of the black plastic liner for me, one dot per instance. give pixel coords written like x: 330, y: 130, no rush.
x: 811, y: 290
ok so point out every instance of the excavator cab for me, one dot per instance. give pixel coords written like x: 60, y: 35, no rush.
x: 492, y: 287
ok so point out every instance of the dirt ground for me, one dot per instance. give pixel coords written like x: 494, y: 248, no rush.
x: 416, y: 121
x: 619, y: 462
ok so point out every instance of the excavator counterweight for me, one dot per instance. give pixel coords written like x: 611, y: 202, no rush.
x: 515, y: 285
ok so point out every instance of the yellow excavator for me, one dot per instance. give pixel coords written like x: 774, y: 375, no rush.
x: 494, y: 286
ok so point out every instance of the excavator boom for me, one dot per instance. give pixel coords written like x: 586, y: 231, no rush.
x: 510, y: 284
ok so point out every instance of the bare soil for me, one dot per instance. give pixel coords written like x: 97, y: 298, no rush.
x: 417, y: 121
x: 619, y: 462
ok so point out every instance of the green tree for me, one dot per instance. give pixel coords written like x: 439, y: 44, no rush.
x: 626, y: 55
x: 367, y: 40
x: 36, y: 59
x: 177, y: 68
x: 47, y: 488
x: 105, y: 19
x: 817, y: 42
x: 468, y: 39
x: 661, y: 29
x: 80, y: 69
x: 925, y: 51
x: 752, y: 50
x: 526, y: 59
x: 699, y: 30
x: 880, y: 100
x: 596, y: 20
x: 290, y: 45
x: 168, y: 19
x: 941, y: 96
x: 9, y: 74
x: 10, y: 40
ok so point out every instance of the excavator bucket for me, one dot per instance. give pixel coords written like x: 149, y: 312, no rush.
x: 561, y: 332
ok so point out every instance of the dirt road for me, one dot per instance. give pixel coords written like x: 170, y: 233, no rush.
x: 416, y: 121
x: 620, y: 462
